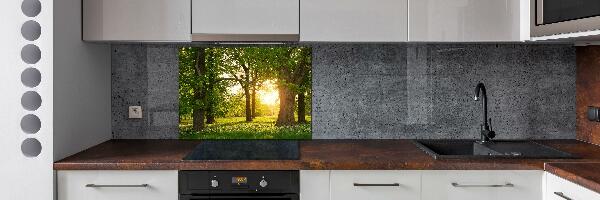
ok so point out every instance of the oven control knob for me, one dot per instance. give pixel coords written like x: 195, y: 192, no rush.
x: 263, y: 183
x: 214, y: 183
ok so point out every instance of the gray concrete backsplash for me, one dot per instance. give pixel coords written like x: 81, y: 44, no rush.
x: 383, y: 91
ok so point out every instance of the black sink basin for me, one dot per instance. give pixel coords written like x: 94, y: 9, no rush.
x: 469, y: 149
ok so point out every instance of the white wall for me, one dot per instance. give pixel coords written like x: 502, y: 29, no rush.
x: 82, y: 109
x: 22, y: 177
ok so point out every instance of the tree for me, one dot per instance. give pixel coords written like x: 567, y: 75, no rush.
x: 303, y: 80
x: 249, y: 67
x: 293, y: 69
x: 201, y: 88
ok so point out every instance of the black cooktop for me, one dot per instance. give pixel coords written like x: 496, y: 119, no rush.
x: 245, y: 150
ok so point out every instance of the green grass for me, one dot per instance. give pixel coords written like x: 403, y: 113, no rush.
x: 238, y: 128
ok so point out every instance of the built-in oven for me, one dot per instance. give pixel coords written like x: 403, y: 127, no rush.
x: 238, y: 185
x: 552, y: 17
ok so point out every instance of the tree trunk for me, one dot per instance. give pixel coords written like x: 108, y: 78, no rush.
x: 198, y: 115
x: 210, y: 116
x: 248, y: 107
x: 198, y: 112
x: 286, y: 107
x: 210, y: 105
x: 301, y: 108
x: 253, y: 101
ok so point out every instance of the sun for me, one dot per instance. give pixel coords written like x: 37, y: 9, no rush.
x: 270, y: 98
x: 269, y: 95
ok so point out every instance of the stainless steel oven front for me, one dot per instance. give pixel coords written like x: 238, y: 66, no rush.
x: 552, y: 17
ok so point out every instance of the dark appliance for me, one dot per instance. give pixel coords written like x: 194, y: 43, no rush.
x: 237, y: 185
x: 245, y: 150
x: 551, y: 17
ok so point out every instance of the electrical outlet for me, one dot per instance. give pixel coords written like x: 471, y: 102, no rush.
x: 135, y: 112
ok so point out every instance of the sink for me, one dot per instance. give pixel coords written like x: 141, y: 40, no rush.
x: 470, y: 149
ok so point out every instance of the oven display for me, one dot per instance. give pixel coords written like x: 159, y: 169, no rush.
x: 239, y: 180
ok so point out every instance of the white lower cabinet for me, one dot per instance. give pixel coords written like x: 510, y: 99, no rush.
x: 117, y: 185
x: 482, y: 185
x: 375, y: 185
x: 560, y: 189
x: 314, y: 184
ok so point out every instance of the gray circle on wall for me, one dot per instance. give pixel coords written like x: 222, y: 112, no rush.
x: 31, y: 30
x: 31, y: 8
x: 30, y: 124
x: 31, y: 77
x: 31, y: 100
x: 31, y: 147
x: 31, y: 54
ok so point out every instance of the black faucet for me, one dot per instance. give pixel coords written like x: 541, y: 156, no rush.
x: 487, y: 134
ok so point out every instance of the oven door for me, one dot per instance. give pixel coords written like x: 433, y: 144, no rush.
x: 240, y: 197
x: 551, y: 17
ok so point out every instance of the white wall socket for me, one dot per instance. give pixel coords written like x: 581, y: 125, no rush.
x: 135, y: 112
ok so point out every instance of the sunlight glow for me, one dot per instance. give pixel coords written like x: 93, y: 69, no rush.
x: 270, y: 95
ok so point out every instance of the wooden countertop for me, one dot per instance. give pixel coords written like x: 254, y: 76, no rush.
x: 314, y: 154
x: 584, y: 174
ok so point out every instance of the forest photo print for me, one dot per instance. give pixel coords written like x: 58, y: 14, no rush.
x: 245, y: 92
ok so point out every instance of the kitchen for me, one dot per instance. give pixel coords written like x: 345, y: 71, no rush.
x: 95, y: 104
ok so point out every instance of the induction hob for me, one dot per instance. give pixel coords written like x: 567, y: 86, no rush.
x: 245, y: 150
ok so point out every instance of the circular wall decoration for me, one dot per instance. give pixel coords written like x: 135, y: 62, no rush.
x: 31, y: 54
x: 31, y: 30
x: 31, y: 8
x: 31, y: 124
x: 31, y: 77
x: 31, y: 100
x: 31, y: 147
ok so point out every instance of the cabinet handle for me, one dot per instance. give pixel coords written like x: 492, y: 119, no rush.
x: 498, y: 185
x: 115, y: 186
x: 562, y: 195
x: 376, y: 184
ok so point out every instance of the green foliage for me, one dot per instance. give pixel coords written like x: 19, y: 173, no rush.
x: 209, y: 88
x: 237, y: 128
x: 187, y: 81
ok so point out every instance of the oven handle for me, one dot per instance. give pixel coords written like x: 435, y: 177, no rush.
x: 285, y: 196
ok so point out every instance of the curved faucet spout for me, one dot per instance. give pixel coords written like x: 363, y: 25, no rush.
x: 486, y: 133
x: 481, y: 88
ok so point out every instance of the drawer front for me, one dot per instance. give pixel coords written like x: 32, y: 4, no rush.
x: 117, y: 185
x: 478, y: 185
x: 375, y: 185
x: 560, y: 189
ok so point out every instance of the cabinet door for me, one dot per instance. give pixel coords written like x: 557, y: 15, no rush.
x: 215, y: 20
x: 136, y: 20
x: 478, y: 185
x: 560, y: 189
x: 353, y: 20
x: 375, y: 185
x: 469, y: 20
x: 314, y: 184
x: 117, y: 185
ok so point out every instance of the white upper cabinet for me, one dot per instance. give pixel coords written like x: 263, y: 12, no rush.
x: 245, y: 20
x: 469, y: 20
x: 354, y: 20
x: 136, y: 20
